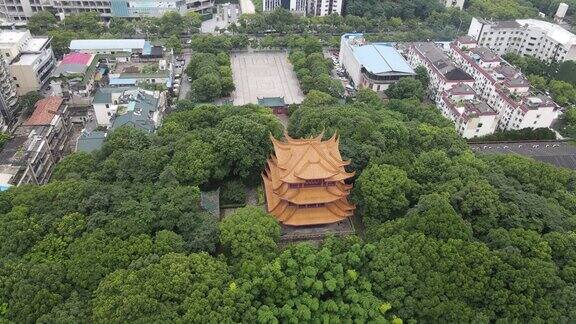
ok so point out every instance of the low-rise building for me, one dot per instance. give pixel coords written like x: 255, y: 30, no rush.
x: 76, y: 73
x: 37, y: 145
x: 505, y: 89
x: 114, y: 107
x: 532, y: 37
x: 372, y: 65
x: 30, y: 59
x: 109, y: 46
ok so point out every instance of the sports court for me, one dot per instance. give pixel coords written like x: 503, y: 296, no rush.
x: 264, y: 74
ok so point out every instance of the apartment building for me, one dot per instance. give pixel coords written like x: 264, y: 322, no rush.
x: 305, y: 7
x: 8, y: 96
x: 443, y: 73
x: 478, y: 90
x: 472, y: 117
x: 372, y: 65
x: 30, y: 59
x: 532, y: 37
x: 21, y: 10
x: 452, y: 90
x: 37, y: 145
x: 504, y: 88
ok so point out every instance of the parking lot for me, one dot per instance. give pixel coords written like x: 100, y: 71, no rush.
x: 264, y: 74
x: 559, y: 153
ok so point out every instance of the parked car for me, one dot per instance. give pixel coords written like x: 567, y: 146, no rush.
x: 189, y: 79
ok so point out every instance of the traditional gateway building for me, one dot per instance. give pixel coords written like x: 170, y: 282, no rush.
x: 304, y: 182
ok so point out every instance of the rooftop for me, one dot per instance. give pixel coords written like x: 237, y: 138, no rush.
x: 461, y: 89
x: 554, y: 31
x: 74, y: 63
x: 272, y: 102
x: 77, y: 58
x: 478, y: 107
x: 104, y: 94
x: 107, y: 44
x: 140, y: 105
x: 88, y: 142
x: 485, y: 54
x: 45, y: 111
x: 466, y: 40
x: 442, y: 62
x: 25, y: 59
x: 506, y: 24
x: 10, y: 37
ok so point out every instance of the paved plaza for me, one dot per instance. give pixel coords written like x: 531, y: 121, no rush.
x: 264, y: 74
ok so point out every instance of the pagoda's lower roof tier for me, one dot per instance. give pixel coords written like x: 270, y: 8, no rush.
x: 296, y: 216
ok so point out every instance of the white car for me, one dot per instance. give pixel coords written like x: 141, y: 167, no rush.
x: 189, y: 79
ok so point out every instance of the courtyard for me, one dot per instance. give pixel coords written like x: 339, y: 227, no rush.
x: 264, y: 74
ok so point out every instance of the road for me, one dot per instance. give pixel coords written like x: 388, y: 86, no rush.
x: 184, y: 84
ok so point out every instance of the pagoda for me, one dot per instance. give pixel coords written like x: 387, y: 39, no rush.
x: 304, y: 182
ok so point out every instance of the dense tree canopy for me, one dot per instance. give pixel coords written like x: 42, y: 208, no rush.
x: 119, y: 235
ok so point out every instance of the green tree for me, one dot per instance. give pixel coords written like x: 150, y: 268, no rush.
x: 422, y: 76
x: 78, y: 165
x: 249, y: 233
x: 567, y: 72
x: 206, y: 88
x: 562, y: 92
x: 174, y: 43
x: 27, y: 103
x: 406, y: 88
x: 383, y: 192
x: 41, y: 22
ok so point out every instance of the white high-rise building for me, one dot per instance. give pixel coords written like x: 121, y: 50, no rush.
x: 21, y: 10
x: 306, y: 7
x: 454, y: 4
x: 532, y: 37
x: 324, y: 7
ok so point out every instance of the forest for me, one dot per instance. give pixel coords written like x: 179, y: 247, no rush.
x: 446, y: 236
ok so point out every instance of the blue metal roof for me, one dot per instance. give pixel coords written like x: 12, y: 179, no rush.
x: 147, y: 50
x: 118, y: 81
x: 379, y: 58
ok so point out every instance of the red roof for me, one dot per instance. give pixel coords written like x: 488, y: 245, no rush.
x: 45, y: 110
x: 77, y: 58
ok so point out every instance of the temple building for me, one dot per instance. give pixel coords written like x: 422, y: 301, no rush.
x: 304, y: 182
